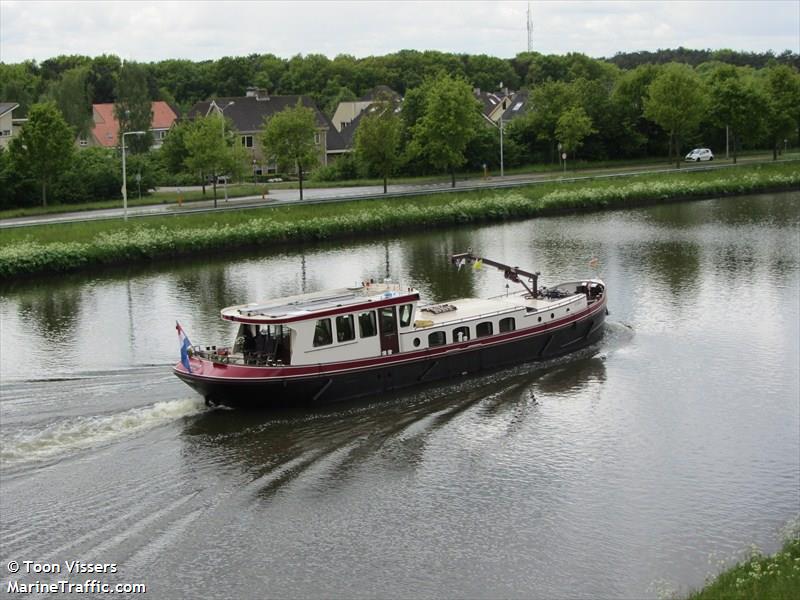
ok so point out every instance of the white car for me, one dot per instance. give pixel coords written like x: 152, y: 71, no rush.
x: 699, y: 154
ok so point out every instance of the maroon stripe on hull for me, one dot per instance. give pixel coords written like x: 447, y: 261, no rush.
x: 298, y: 386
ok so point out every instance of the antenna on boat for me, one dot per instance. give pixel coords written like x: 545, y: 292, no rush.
x: 509, y: 272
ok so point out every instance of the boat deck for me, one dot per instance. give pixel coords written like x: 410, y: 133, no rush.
x: 465, y: 309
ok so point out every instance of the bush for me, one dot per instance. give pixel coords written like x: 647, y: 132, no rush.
x: 344, y: 168
x: 324, y: 173
x: 15, y: 189
x: 95, y: 174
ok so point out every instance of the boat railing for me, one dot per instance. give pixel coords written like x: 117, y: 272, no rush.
x: 226, y: 357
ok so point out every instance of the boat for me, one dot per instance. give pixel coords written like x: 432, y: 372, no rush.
x: 376, y: 337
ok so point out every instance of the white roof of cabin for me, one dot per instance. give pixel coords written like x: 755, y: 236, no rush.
x: 306, y: 305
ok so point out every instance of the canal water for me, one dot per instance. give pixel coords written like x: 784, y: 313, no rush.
x: 632, y: 468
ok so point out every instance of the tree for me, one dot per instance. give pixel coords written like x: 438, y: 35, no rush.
x: 173, y: 151
x: 103, y: 75
x: 782, y: 88
x: 572, y: 127
x: 377, y: 142
x: 19, y: 83
x: 133, y: 108
x: 450, y: 118
x: 71, y: 95
x: 736, y: 103
x: 489, y: 72
x: 45, y: 145
x: 628, y: 101
x: 208, y: 153
x: 287, y: 138
x: 333, y: 94
x: 676, y: 100
x: 233, y: 75
x: 550, y: 100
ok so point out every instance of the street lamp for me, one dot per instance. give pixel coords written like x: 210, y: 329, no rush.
x: 500, y: 127
x: 222, y: 114
x: 124, y: 175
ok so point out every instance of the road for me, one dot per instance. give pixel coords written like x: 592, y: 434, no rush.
x: 279, y: 197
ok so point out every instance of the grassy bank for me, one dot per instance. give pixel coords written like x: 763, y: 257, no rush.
x: 80, y: 245
x: 775, y: 577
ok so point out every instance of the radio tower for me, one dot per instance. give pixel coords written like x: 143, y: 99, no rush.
x: 530, y: 29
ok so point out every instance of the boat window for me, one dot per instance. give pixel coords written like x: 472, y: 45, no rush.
x: 322, y: 333
x: 345, y: 328
x: 405, y: 315
x: 507, y: 324
x: 367, y: 324
x: 436, y: 338
x: 460, y: 334
x: 388, y: 321
x: 416, y: 342
x: 483, y: 329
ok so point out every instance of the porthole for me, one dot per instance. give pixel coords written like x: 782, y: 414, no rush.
x: 567, y: 310
x: 540, y: 319
x: 416, y: 342
x: 552, y: 315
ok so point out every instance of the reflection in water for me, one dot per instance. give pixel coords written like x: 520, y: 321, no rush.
x: 426, y: 258
x: 675, y: 265
x: 208, y: 290
x: 51, y: 312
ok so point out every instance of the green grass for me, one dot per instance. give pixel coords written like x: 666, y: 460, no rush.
x: 72, y: 246
x: 775, y: 577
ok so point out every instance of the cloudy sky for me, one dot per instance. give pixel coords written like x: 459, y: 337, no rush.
x: 152, y: 31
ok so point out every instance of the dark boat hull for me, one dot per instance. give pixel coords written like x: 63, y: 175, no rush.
x: 347, y: 384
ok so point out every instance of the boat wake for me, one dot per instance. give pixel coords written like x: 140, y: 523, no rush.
x: 58, y: 438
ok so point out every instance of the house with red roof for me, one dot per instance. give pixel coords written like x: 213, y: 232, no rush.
x: 105, y: 131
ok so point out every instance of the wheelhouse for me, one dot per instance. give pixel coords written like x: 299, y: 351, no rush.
x: 350, y: 323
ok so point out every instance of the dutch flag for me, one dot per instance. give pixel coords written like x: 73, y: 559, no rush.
x: 185, y: 345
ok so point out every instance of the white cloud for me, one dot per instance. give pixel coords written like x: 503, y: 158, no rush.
x: 151, y: 31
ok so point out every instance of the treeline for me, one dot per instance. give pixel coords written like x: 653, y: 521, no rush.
x: 328, y: 81
x: 756, y: 60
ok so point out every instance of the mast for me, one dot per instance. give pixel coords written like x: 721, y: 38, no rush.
x: 530, y: 29
x: 509, y: 272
